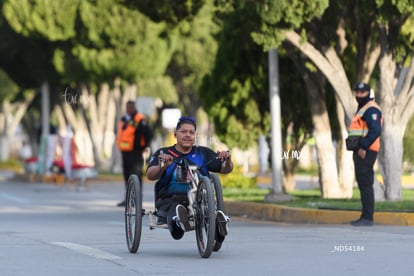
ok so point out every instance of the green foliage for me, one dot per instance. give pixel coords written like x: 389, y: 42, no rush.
x: 26, y: 61
x: 408, y: 142
x: 407, y: 29
x: 85, y: 40
x: 291, y: 14
x: 114, y: 41
x: 50, y: 19
x: 237, y: 180
x: 12, y: 165
x: 294, y: 105
x: 161, y: 86
x: 169, y: 11
x: 8, y: 88
x: 311, y: 199
x: 245, y: 194
x: 194, y: 56
x: 278, y: 16
x: 235, y: 93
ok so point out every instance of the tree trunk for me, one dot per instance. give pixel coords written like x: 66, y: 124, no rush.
x: 289, y: 181
x: 391, y: 158
x: 100, y: 111
x: 4, y: 147
x: 323, y: 142
x: 10, y: 118
x: 94, y: 128
x: 397, y: 104
x: 328, y: 173
x: 346, y: 173
x: 327, y: 165
x: 81, y: 135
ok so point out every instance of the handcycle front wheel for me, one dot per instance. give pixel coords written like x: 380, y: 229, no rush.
x: 205, y: 218
x: 133, y: 213
x: 218, y: 196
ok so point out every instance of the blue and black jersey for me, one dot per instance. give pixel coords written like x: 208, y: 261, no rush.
x: 169, y: 184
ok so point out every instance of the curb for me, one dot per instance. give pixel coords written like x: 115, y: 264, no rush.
x: 279, y: 213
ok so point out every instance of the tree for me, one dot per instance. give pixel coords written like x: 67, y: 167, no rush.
x: 85, y: 44
x: 12, y: 109
x: 236, y: 93
x: 29, y: 32
x: 172, y: 12
x: 375, y: 21
x: 194, y: 57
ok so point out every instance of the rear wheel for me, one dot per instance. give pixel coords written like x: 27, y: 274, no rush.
x: 205, y: 218
x: 219, y: 203
x: 133, y: 214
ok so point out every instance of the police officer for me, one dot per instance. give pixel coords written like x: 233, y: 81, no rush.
x: 364, y: 140
x: 133, y: 136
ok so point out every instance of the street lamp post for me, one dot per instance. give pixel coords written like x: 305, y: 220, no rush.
x: 45, y: 129
x: 276, y: 194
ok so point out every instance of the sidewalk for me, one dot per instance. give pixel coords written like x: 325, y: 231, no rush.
x: 280, y: 213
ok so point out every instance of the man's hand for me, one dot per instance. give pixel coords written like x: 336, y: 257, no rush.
x: 165, y: 160
x: 224, y: 155
x: 362, y: 153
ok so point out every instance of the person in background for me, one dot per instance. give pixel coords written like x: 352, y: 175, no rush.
x: 25, y: 151
x: 171, y: 191
x: 133, y: 137
x: 364, y: 140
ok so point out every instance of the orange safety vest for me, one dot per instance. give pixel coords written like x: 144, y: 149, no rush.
x: 126, y: 137
x: 358, y: 126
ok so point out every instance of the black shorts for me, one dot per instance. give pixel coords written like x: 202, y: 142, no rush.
x: 163, y: 205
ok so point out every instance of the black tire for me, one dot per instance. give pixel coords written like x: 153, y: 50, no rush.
x: 133, y: 213
x: 205, y: 218
x: 219, y: 203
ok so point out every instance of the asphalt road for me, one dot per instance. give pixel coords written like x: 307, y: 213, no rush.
x: 49, y: 230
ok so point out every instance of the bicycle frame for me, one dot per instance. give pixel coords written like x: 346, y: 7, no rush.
x: 194, y: 180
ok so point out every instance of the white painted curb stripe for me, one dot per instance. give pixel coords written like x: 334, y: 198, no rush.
x: 86, y: 250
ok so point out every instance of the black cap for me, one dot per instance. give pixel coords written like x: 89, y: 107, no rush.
x: 362, y: 87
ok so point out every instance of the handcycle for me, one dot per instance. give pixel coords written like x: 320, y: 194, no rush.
x: 205, y: 197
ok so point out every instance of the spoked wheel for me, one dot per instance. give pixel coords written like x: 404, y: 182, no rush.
x: 205, y: 218
x: 133, y: 214
x: 219, y: 203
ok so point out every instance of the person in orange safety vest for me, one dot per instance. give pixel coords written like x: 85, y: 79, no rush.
x: 364, y: 140
x: 133, y: 136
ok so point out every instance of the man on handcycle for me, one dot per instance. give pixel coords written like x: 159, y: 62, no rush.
x: 171, y: 188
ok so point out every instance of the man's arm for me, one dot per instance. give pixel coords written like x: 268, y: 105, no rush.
x: 159, y: 162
